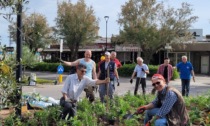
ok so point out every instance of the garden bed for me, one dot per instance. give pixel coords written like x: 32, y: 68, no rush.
x: 112, y: 113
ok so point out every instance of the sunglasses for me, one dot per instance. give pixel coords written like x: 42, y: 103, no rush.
x: 157, y: 83
x: 83, y: 71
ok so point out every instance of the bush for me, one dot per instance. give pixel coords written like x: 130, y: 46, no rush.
x: 52, y: 67
x: 127, y: 70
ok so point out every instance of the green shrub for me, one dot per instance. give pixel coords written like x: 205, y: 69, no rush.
x: 52, y: 67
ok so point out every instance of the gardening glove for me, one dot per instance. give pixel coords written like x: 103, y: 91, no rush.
x: 131, y: 81
x: 118, y: 83
x: 141, y: 109
x: 148, y: 124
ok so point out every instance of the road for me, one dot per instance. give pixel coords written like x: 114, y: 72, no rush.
x: 201, y: 85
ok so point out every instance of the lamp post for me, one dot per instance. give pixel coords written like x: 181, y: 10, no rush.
x: 167, y: 47
x: 106, y: 19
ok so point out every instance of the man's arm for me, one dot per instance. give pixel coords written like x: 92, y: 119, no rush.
x: 65, y: 96
x: 118, y: 63
x: 116, y: 73
x: 158, y: 71
x: 193, y: 74
x: 132, y: 76
x: 147, y: 70
x: 75, y: 63
x: 94, y: 71
x: 149, y: 106
x: 106, y: 81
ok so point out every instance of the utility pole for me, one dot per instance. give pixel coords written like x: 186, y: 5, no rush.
x: 18, y: 56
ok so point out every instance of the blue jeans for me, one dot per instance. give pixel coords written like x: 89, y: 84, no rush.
x: 185, y: 87
x: 158, y: 122
x: 103, y: 90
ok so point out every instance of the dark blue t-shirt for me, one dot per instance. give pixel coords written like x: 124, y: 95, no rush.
x: 185, y: 70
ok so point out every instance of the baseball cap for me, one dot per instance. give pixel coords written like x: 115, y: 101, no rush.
x: 157, y: 76
x: 107, y: 53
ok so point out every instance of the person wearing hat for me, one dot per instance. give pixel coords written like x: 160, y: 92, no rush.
x: 168, y: 108
x: 107, y: 68
x: 102, y: 59
x: 166, y: 70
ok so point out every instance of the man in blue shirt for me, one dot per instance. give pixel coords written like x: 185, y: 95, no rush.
x: 186, y: 70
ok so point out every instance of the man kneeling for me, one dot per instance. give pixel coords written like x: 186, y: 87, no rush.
x: 72, y: 89
x: 168, y: 108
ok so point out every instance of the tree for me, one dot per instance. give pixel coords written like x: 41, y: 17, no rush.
x: 150, y: 25
x: 77, y: 24
x: 36, y: 32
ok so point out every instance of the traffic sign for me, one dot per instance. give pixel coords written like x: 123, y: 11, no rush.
x: 9, y: 49
x: 60, y: 69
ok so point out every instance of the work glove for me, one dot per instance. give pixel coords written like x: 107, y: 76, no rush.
x: 118, y: 82
x: 131, y: 81
x: 148, y: 124
x: 142, y: 70
x: 141, y: 109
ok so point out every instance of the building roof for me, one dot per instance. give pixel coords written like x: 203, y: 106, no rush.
x: 195, y: 46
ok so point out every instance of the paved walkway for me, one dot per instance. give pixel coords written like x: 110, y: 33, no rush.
x: 201, y: 85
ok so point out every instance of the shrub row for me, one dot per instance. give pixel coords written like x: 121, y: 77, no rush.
x: 125, y: 71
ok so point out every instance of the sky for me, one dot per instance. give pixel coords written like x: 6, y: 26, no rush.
x: 111, y: 8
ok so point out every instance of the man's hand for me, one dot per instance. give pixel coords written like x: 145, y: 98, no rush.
x: 118, y: 82
x: 141, y: 109
x: 107, y: 80
x: 131, y: 81
x: 194, y: 78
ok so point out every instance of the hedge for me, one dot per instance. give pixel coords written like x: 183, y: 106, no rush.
x: 125, y: 71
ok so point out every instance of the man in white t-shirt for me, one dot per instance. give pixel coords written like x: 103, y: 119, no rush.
x: 141, y: 70
x: 73, y: 87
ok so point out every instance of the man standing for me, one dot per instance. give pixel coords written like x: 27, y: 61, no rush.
x: 73, y: 87
x: 141, y: 70
x: 168, y: 108
x: 114, y: 59
x: 107, y: 69
x: 186, y: 70
x: 117, y: 62
x: 166, y: 70
x: 91, y: 71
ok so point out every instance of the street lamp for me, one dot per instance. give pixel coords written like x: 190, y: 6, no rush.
x: 167, y: 47
x: 106, y: 19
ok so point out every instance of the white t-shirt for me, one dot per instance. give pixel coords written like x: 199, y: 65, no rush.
x: 140, y: 73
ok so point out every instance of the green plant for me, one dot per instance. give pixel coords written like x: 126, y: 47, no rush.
x: 8, y: 87
x: 96, y: 114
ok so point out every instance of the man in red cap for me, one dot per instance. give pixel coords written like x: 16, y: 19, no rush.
x: 167, y: 108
